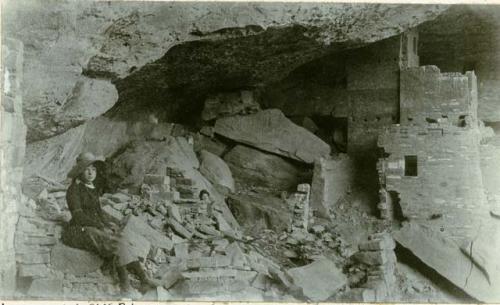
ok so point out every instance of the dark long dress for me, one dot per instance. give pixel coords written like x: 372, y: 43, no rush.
x: 89, y: 227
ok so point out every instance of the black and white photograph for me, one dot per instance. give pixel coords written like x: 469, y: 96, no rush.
x: 225, y: 151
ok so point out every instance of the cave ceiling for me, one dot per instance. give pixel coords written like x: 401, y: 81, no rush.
x: 83, y: 59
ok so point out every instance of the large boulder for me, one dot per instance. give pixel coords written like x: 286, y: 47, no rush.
x: 271, y: 131
x: 259, y: 211
x: 216, y: 171
x: 253, y: 167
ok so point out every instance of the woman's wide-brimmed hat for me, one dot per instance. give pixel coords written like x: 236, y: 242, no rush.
x: 82, y: 162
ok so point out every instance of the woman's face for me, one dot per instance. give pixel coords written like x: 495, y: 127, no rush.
x: 89, y: 174
x: 205, y: 197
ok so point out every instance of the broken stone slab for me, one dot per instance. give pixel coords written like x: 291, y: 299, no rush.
x: 271, y: 131
x: 283, y: 277
x: 169, y: 275
x: 361, y: 295
x: 142, y: 228
x: 318, y: 280
x: 74, y: 261
x: 120, y: 197
x: 236, y: 255
x: 254, y: 167
x: 484, y: 250
x: 261, y: 282
x: 111, y: 212
x: 33, y: 270
x: 446, y: 258
x: 216, y: 171
x: 46, y: 288
x: 181, y: 250
x: 132, y: 246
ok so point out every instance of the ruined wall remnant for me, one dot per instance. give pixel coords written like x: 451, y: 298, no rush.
x: 429, y: 96
x: 332, y: 179
x: 434, y: 167
x: 12, y: 147
x: 466, y: 38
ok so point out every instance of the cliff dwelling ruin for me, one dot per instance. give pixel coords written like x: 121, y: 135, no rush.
x: 242, y: 151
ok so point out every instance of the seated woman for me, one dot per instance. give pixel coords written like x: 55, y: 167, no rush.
x: 91, y: 229
x: 209, y: 214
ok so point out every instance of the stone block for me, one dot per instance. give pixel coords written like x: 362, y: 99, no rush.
x: 362, y: 295
x: 139, y: 226
x: 34, y: 270
x: 33, y: 258
x: 46, y: 288
x: 237, y: 256
x: 181, y: 250
x: 261, y: 282
x: 120, y: 197
x: 74, y: 261
x: 169, y: 275
x: 318, y: 280
x: 384, y: 243
x: 111, y: 212
x: 160, y: 180
x: 371, y: 257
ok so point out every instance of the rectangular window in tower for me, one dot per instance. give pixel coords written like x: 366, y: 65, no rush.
x: 411, y: 166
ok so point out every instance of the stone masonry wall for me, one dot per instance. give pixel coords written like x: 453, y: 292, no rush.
x: 447, y: 191
x: 12, y: 147
x: 373, y: 79
x: 433, y: 165
x: 467, y: 38
x: 427, y: 95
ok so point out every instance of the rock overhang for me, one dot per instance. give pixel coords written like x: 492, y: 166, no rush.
x: 67, y: 42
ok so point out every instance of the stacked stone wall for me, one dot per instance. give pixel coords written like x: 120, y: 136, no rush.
x: 12, y: 147
x: 434, y: 166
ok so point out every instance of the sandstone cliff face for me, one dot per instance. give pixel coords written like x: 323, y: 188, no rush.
x: 74, y: 50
